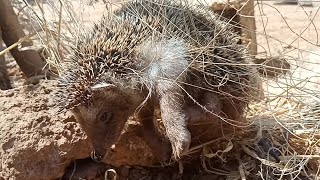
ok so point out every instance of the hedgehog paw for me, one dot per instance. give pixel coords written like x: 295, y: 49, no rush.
x: 180, y: 143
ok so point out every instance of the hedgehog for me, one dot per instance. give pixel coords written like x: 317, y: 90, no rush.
x: 181, y: 59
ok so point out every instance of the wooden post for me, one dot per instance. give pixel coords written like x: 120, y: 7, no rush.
x: 4, y: 77
x: 29, y: 61
x: 242, y: 13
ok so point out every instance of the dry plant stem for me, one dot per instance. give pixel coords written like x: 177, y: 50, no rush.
x: 29, y: 61
x: 4, y: 77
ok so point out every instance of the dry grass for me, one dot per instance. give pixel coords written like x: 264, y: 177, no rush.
x: 285, y: 123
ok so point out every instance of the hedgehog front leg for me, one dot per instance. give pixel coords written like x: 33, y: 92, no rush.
x: 174, y: 118
x: 159, y: 145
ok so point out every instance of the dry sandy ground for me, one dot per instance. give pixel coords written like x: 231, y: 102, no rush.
x: 283, y: 25
x: 291, y: 31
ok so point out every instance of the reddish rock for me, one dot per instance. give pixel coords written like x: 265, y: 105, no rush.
x: 36, y: 142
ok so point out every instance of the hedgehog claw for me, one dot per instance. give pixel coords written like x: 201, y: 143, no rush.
x: 96, y: 157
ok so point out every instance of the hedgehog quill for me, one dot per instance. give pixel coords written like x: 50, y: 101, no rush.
x: 169, y: 55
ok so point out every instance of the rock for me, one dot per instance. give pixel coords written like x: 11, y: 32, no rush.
x: 36, y: 142
x: 39, y: 143
x: 131, y: 149
x: 272, y: 66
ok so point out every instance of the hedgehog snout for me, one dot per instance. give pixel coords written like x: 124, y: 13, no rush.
x: 98, y: 152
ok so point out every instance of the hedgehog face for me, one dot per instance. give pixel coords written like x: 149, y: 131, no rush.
x: 103, y: 119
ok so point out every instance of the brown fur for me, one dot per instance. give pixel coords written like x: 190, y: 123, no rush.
x: 89, y: 116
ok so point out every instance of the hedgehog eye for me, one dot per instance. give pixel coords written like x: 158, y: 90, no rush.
x: 106, y: 117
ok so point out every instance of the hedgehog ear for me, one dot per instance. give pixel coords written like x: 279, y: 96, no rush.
x: 102, y: 86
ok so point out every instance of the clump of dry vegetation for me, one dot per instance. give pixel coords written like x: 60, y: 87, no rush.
x: 280, y: 137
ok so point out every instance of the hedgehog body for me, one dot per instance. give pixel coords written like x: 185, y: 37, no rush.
x: 157, y: 54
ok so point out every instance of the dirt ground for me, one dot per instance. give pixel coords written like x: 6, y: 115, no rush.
x: 283, y: 24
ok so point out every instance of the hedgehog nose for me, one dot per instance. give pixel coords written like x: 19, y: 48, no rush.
x: 96, y: 157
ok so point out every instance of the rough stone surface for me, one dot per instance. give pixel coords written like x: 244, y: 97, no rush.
x: 131, y: 149
x: 36, y: 142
